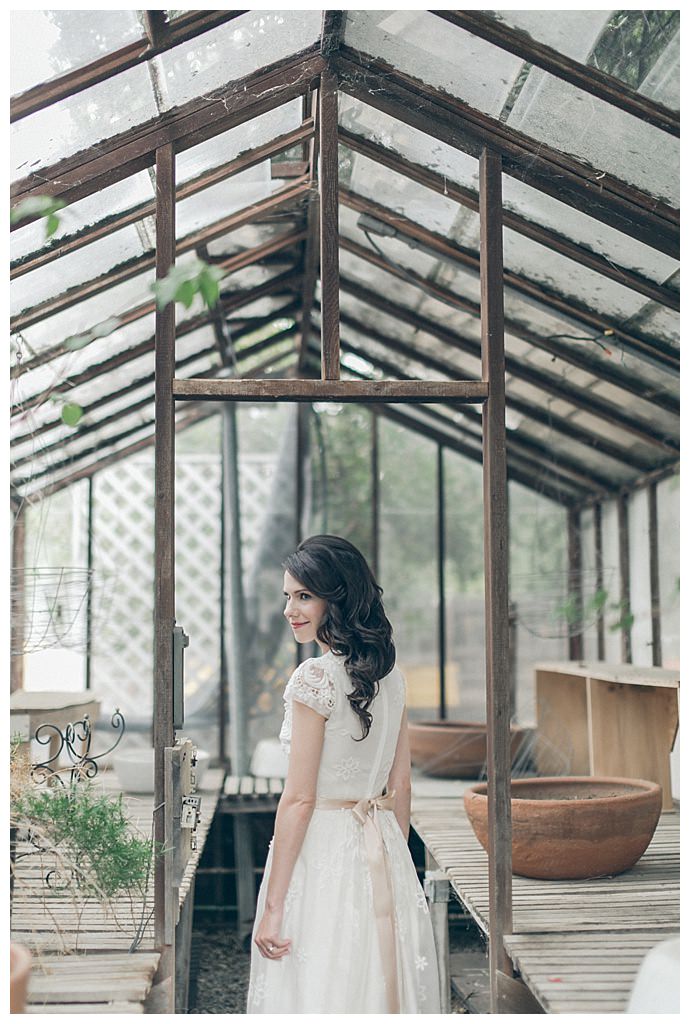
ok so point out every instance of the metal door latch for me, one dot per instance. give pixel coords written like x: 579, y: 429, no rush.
x: 191, y: 806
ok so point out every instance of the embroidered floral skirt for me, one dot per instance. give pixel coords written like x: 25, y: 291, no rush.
x: 335, y: 963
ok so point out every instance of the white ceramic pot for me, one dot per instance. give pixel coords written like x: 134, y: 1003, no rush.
x: 134, y: 769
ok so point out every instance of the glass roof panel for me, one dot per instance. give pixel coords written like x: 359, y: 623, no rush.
x: 250, y: 135
x: 121, y: 196
x: 539, y: 105
x: 84, y: 315
x: 232, y: 51
x: 46, y: 44
x: 412, y: 41
x: 573, y: 122
x: 572, y: 33
x: 81, y: 121
x: 219, y: 201
x: 75, y: 268
x: 522, y: 199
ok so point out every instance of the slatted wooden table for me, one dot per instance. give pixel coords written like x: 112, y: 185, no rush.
x: 576, y: 944
x: 81, y: 963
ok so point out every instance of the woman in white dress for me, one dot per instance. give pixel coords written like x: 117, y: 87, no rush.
x: 342, y: 924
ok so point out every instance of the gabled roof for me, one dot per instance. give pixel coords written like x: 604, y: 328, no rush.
x: 582, y: 106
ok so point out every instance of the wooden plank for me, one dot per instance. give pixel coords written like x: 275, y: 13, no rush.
x: 632, y: 732
x: 631, y: 675
x: 562, y: 746
x: 291, y: 390
x: 328, y: 218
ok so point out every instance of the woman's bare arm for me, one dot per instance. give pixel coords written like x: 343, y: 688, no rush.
x: 399, y: 777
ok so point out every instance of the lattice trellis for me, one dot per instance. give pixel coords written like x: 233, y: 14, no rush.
x: 122, y: 664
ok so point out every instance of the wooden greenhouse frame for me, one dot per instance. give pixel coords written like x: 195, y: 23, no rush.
x: 312, y: 243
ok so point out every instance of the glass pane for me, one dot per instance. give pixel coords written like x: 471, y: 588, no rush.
x: 640, y: 593
x: 86, y: 212
x: 410, y: 580
x: 668, y: 517
x: 82, y: 120
x: 219, y: 201
x: 572, y: 33
x: 419, y: 44
x: 46, y: 44
x: 228, y: 146
x: 75, y: 269
x: 233, y: 51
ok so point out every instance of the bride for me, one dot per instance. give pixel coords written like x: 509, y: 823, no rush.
x: 342, y: 923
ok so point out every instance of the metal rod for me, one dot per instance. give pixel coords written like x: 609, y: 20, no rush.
x: 654, y: 583
x: 496, y: 572
x: 89, y: 594
x: 375, y: 497
x: 223, y: 661
x: 624, y: 560
x: 164, y: 555
x: 328, y: 211
x: 239, y: 758
x: 599, y: 564
x: 17, y: 603
x: 441, y: 559
x: 575, y: 640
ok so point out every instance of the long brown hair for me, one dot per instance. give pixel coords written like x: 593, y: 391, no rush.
x: 355, y: 624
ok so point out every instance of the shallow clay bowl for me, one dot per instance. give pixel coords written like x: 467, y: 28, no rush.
x: 574, y: 827
x: 452, y: 749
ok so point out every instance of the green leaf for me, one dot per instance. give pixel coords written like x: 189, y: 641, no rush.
x: 78, y: 341
x: 185, y: 293
x: 209, y: 290
x: 37, y: 206
x: 52, y: 224
x: 71, y: 414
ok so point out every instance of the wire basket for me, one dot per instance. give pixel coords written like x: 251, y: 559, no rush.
x: 555, y: 606
x: 50, y: 605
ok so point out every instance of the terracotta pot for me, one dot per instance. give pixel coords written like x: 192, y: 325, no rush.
x: 20, y: 969
x: 453, y: 750
x: 574, y: 827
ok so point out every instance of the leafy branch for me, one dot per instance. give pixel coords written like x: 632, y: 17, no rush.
x: 184, y: 282
x: 36, y: 207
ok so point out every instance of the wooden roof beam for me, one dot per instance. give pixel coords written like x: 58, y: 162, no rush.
x: 469, y: 198
x: 83, y: 174
x: 181, y: 30
x: 584, y: 400
x: 585, y: 77
x: 453, y: 122
x: 645, y: 347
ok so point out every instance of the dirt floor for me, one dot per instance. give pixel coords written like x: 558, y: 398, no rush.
x: 220, y: 968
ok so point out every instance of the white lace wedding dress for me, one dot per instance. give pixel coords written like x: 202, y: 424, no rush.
x: 336, y: 964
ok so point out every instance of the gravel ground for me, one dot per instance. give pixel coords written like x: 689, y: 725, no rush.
x: 222, y: 976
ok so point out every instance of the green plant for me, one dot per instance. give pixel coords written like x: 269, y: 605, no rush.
x: 38, y: 206
x: 185, y: 281
x: 90, y: 832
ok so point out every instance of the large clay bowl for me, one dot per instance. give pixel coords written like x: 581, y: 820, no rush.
x: 574, y: 827
x: 451, y: 749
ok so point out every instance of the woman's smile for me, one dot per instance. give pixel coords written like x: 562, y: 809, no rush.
x: 303, y: 610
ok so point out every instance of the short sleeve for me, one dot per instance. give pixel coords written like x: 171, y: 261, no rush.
x: 312, y: 685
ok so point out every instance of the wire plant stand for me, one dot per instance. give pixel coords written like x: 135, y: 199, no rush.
x: 558, y: 605
x: 52, y: 603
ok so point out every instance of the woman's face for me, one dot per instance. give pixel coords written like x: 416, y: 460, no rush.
x: 303, y: 610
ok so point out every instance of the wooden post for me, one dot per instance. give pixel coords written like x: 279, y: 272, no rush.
x: 441, y: 558
x: 654, y: 574
x: 234, y: 590
x: 164, y: 562
x: 328, y: 211
x: 574, y: 601
x: 599, y: 563
x: 17, y: 610
x: 495, y: 570
x: 624, y: 560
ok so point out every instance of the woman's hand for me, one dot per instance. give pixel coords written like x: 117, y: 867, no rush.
x: 267, y: 937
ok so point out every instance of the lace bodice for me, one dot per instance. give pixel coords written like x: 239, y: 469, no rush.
x: 349, y: 768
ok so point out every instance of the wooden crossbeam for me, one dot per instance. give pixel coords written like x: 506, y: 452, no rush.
x: 305, y: 390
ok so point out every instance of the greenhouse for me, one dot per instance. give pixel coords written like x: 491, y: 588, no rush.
x: 408, y: 278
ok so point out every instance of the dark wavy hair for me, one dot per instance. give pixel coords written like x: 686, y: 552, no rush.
x: 355, y: 624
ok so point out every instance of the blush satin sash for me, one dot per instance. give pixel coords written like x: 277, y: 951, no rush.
x: 366, y: 812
